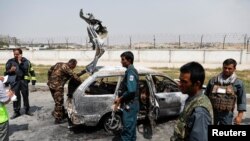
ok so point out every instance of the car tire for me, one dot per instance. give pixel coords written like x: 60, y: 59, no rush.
x: 112, y: 127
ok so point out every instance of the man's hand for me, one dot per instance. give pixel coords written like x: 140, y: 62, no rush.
x: 237, y: 120
x: 116, y: 104
x: 12, y: 69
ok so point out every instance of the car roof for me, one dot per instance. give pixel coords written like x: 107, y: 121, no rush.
x: 119, y: 70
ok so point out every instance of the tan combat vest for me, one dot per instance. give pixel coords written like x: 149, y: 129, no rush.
x: 223, y: 97
x: 180, y: 129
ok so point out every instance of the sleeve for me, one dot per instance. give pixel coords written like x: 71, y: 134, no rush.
x: 131, y: 85
x: 32, y: 74
x: 198, y: 124
x: 241, y: 96
x: 3, y: 96
x: 71, y: 73
x: 7, y: 67
x: 208, y: 88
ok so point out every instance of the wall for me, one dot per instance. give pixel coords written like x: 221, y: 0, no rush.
x: 142, y: 56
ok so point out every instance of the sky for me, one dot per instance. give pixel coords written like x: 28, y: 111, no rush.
x: 50, y: 18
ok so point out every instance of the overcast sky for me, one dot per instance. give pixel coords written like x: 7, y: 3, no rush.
x: 49, y: 18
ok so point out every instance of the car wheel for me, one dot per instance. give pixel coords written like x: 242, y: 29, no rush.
x: 112, y: 125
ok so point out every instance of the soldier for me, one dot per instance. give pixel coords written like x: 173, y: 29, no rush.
x: 58, y: 75
x: 192, y: 124
x: 224, y: 90
x: 21, y: 69
x: 128, y: 98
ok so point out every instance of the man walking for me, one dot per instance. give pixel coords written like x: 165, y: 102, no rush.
x: 128, y: 98
x: 20, y: 68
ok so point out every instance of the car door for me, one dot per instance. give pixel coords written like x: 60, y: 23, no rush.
x: 167, y: 94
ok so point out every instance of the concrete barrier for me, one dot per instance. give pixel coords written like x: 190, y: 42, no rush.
x: 150, y: 58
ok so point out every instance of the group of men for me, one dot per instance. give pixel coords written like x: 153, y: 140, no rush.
x: 214, y: 106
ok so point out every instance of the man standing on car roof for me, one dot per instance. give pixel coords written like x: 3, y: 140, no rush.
x: 128, y: 98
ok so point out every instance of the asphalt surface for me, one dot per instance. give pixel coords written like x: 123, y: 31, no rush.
x: 41, y: 127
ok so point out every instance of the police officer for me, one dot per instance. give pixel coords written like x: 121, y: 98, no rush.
x: 128, y: 99
x: 192, y: 124
x: 21, y: 68
x: 58, y: 75
x: 224, y: 91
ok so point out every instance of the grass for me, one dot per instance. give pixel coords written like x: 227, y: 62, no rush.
x: 244, y: 75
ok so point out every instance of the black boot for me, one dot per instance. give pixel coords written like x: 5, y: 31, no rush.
x: 15, y: 115
x: 28, y: 113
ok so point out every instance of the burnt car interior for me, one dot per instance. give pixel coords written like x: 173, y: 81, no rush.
x: 102, y: 86
x: 144, y: 97
x: 164, y: 84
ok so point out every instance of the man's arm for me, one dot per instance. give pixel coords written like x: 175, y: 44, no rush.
x: 71, y: 73
x: 9, y: 68
x: 241, y: 101
x: 32, y: 74
x: 131, y: 85
x: 198, y: 124
x: 208, y: 88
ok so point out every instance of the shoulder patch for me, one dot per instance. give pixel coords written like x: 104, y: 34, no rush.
x: 131, y: 78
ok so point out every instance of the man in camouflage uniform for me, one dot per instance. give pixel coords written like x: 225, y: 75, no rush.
x: 192, y: 124
x: 58, y: 75
x: 224, y: 91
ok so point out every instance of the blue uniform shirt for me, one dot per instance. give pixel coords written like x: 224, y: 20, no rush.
x: 131, y: 83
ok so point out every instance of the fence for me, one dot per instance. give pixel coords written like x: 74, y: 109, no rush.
x: 137, y: 41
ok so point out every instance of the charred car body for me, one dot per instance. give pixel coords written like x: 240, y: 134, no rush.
x: 92, y: 101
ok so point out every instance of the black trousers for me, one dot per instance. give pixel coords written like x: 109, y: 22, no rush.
x: 21, y: 87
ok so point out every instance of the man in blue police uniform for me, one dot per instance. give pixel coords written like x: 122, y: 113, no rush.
x: 128, y: 98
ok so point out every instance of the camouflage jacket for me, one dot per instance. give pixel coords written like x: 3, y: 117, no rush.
x: 182, y: 128
x: 59, y: 74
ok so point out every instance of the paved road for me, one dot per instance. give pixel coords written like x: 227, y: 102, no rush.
x: 40, y: 127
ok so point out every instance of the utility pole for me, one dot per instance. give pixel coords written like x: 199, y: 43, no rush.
x: 154, y: 42
x: 224, y: 42
x: 201, y: 41
x: 245, y: 41
x: 67, y: 42
x: 130, y: 42
x: 179, y: 41
x: 248, y: 43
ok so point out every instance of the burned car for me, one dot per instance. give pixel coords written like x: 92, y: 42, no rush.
x: 92, y: 101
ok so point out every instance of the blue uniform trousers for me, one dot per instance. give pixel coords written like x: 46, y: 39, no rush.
x: 129, y: 119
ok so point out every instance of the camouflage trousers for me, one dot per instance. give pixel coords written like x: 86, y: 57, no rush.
x: 59, y: 111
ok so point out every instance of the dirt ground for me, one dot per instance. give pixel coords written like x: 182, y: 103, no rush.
x: 41, y: 127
